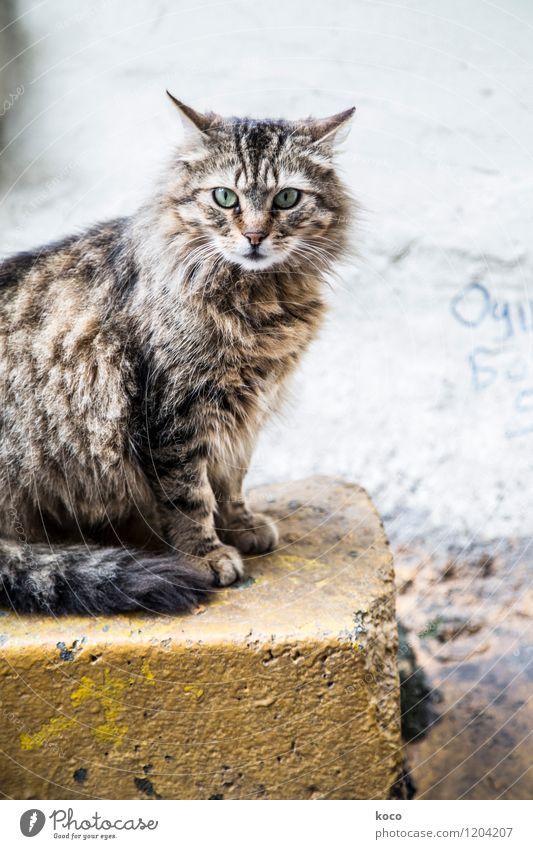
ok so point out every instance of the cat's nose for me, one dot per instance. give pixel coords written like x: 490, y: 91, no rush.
x: 255, y: 237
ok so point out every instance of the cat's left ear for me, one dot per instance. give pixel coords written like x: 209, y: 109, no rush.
x: 195, y: 124
x: 327, y: 132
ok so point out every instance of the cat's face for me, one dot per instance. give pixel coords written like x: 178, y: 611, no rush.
x: 261, y: 194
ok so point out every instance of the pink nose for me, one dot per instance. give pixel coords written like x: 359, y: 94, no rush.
x: 255, y: 237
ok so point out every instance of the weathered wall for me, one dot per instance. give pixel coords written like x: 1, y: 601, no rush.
x: 421, y: 385
x: 10, y: 91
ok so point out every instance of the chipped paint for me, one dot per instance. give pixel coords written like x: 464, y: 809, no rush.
x: 290, y: 560
x: 107, y: 693
x: 52, y: 728
x: 192, y: 689
x: 146, y: 787
x: 69, y: 654
x: 147, y: 672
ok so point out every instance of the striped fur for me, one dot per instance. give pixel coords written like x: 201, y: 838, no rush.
x: 138, y: 362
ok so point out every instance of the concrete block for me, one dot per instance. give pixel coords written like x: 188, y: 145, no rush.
x: 283, y: 687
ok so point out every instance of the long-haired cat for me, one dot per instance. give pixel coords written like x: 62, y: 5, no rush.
x: 139, y: 359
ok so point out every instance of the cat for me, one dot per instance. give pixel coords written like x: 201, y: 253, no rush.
x: 139, y: 360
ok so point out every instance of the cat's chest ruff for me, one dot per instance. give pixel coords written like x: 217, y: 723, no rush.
x: 222, y: 370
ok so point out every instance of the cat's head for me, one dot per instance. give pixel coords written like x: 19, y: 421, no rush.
x: 261, y: 194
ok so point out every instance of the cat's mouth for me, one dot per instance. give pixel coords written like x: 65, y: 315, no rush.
x: 255, y: 259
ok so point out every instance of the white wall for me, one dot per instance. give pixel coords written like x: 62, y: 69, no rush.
x: 440, y: 158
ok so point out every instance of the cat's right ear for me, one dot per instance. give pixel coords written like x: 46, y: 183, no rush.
x: 195, y: 125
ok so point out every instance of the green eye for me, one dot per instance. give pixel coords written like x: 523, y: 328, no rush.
x: 225, y: 198
x: 286, y: 199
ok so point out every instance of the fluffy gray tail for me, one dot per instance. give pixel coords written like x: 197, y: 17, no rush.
x: 79, y: 579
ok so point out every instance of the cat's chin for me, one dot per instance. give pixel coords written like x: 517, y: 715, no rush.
x: 255, y: 263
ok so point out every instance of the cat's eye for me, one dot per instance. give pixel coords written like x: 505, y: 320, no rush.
x: 286, y: 199
x: 226, y: 198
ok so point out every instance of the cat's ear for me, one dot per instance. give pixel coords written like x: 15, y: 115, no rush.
x: 195, y: 124
x: 329, y: 131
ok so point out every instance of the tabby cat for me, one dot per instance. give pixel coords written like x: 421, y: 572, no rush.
x: 139, y: 359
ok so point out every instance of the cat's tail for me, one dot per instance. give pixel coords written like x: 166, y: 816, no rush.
x: 86, y: 580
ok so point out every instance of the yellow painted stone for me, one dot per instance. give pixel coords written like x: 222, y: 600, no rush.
x: 283, y: 687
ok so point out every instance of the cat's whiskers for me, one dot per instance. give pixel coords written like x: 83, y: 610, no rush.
x: 307, y: 251
x: 328, y: 257
x: 194, y: 261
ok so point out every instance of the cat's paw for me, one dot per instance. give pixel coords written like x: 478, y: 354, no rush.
x: 255, y: 534
x: 225, y: 564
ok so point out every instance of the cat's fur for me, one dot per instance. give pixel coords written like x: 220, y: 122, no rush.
x: 139, y: 360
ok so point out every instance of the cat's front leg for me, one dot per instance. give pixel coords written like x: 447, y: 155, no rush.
x: 236, y: 524
x: 186, y: 506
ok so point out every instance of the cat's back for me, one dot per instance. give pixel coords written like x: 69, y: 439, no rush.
x: 75, y: 269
